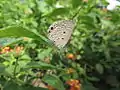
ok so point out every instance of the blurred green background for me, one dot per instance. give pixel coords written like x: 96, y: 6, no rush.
x: 93, y: 52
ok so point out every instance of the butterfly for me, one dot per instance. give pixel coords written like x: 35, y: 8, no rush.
x: 60, y: 32
x: 112, y: 4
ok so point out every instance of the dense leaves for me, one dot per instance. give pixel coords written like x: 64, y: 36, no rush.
x: 92, y: 57
x: 17, y: 31
x: 54, y: 81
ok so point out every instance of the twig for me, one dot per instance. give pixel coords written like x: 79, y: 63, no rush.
x: 16, y: 63
x: 77, y: 13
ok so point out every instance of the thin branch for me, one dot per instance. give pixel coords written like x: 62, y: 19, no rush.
x: 77, y: 13
x: 16, y: 63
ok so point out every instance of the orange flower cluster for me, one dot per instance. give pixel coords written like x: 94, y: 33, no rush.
x: 74, y: 84
x: 8, y: 49
x: 5, y: 50
x: 50, y: 87
x: 18, y: 49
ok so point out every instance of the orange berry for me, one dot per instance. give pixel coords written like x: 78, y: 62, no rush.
x: 71, y: 56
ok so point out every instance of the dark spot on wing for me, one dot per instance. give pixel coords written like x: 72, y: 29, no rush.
x: 51, y: 28
x: 64, y: 32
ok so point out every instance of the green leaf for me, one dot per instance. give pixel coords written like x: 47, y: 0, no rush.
x: 58, y: 11
x: 107, y: 24
x: 2, y: 68
x: 88, y: 21
x: 76, y: 3
x: 43, y: 53
x: 40, y: 65
x: 10, y: 85
x: 25, y: 57
x: 42, y: 6
x: 88, y: 86
x: 99, y: 68
x: 33, y: 88
x: 66, y: 77
x: 112, y: 81
x: 93, y: 78
x: 54, y: 81
x: 115, y: 89
x: 50, y: 2
x: 18, y: 31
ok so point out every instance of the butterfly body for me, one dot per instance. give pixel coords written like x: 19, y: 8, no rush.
x: 60, y: 32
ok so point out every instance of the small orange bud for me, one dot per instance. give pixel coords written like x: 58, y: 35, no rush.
x: 71, y: 56
x: 70, y: 70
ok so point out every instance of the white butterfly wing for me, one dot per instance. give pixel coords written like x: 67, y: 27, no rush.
x: 113, y: 2
x: 60, y: 32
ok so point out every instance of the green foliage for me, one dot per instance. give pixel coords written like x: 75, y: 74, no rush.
x: 7, y: 41
x: 95, y: 45
x: 54, y: 81
x: 39, y: 65
x: 17, y: 31
x: 13, y: 86
x: 99, y: 68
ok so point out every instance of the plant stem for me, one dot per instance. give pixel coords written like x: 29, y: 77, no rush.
x: 16, y: 63
x: 77, y: 13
